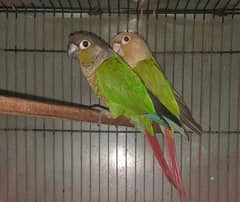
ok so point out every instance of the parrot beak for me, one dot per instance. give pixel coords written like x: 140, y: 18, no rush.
x: 116, y: 47
x: 72, y: 50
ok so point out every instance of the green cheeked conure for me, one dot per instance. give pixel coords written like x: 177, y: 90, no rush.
x: 134, y: 50
x: 167, y: 102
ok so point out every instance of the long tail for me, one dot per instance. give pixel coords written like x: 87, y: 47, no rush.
x: 160, y: 157
x: 173, y: 159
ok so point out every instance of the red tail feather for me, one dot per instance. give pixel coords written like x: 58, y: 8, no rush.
x: 173, y: 160
x: 160, y: 157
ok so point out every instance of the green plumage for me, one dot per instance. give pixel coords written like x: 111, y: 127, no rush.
x: 157, y: 83
x: 123, y: 92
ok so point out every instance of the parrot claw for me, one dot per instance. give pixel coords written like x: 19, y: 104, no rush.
x: 103, y: 112
x: 99, y: 119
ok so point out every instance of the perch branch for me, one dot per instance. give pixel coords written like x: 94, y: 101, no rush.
x: 25, y: 105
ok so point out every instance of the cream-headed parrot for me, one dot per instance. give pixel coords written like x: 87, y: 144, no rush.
x: 121, y: 89
x: 167, y: 102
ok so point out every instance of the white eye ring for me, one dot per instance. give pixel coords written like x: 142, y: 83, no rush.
x: 125, y: 39
x: 84, y: 44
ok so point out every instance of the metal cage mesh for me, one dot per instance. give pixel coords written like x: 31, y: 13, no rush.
x: 96, y: 7
x: 197, y: 44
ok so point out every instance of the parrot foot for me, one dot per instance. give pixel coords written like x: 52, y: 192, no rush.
x: 103, y: 112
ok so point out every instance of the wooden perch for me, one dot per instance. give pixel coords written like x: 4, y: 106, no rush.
x: 27, y: 105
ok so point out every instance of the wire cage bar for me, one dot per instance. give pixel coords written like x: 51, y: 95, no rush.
x: 197, y: 44
x: 96, y: 7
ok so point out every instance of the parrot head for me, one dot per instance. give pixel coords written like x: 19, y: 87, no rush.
x: 88, y: 49
x: 131, y: 47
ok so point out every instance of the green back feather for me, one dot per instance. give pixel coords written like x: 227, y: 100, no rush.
x: 157, y: 83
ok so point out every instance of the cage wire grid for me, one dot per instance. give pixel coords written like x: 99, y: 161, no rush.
x: 197, y: 44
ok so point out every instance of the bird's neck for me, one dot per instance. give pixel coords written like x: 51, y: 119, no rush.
x: 133, y: 58
x: 89, y: 70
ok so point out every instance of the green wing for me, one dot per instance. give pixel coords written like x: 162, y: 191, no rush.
x: 157, y: 84
x: 123, y: 91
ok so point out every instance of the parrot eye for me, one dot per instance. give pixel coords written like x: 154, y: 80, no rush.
x: 84, y: 44
x: 125, y: 39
